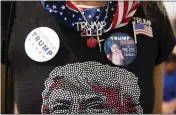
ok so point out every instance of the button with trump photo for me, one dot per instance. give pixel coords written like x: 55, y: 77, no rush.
x: 120, y: 49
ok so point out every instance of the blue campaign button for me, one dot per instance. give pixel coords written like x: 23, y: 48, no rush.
x: 120, y: 49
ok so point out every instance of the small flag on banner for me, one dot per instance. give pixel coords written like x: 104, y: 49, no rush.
x: 143, y: 29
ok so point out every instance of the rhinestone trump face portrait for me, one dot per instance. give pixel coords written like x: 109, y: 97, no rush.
x: 94, y: 90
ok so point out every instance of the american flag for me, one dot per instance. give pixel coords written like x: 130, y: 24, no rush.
x: 119, y: 13
x: 124, y: 12
x: 143, y: 29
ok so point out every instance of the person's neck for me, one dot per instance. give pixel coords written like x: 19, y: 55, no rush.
x: 90, y: 3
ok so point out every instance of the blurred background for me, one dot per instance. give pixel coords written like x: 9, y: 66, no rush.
x: 169, y: 98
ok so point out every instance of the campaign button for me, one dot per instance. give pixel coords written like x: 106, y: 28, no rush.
x: 42, y: 44
x: 120, y: 49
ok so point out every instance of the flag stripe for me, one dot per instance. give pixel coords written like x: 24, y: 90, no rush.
x: 126, y: 20
x: 125, y: 11
x: 149, y: 35
x: 136, y: 5
x: 127, y: 8
x: 143, y: 31
x: 120, y: 16
x: 149, y: 30
x: 147, y: 27
x: 122, y: 24
x: 131, y: 14
x: 130, y: 4
x: 128, y: 16
x: 72, y: 6
x: 115, y: 17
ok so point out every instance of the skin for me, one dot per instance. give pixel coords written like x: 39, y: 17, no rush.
x: 9, y: 90
x: 115, y: 48
x: 117, y: 52
x: 158, y: 71
x: 158, y: 78
x: 169, y: 107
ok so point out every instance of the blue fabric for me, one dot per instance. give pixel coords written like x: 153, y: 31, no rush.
x: 169, y: 86
x: 139, y: 26
x: 68, y: 17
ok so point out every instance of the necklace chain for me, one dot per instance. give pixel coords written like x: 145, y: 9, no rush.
x: 98, y: 38
x: 98, y: 16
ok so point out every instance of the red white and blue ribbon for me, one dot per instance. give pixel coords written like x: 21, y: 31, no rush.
x: 124, y: 12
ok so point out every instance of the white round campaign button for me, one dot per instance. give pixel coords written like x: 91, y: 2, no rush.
x: 42, y: 44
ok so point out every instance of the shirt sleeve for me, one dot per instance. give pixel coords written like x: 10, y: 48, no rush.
x: 167, y: 39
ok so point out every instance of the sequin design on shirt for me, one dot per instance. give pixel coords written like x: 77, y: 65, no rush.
x: 91, y: 87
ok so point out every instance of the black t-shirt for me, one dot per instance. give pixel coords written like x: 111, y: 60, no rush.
x: 29, y: 76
